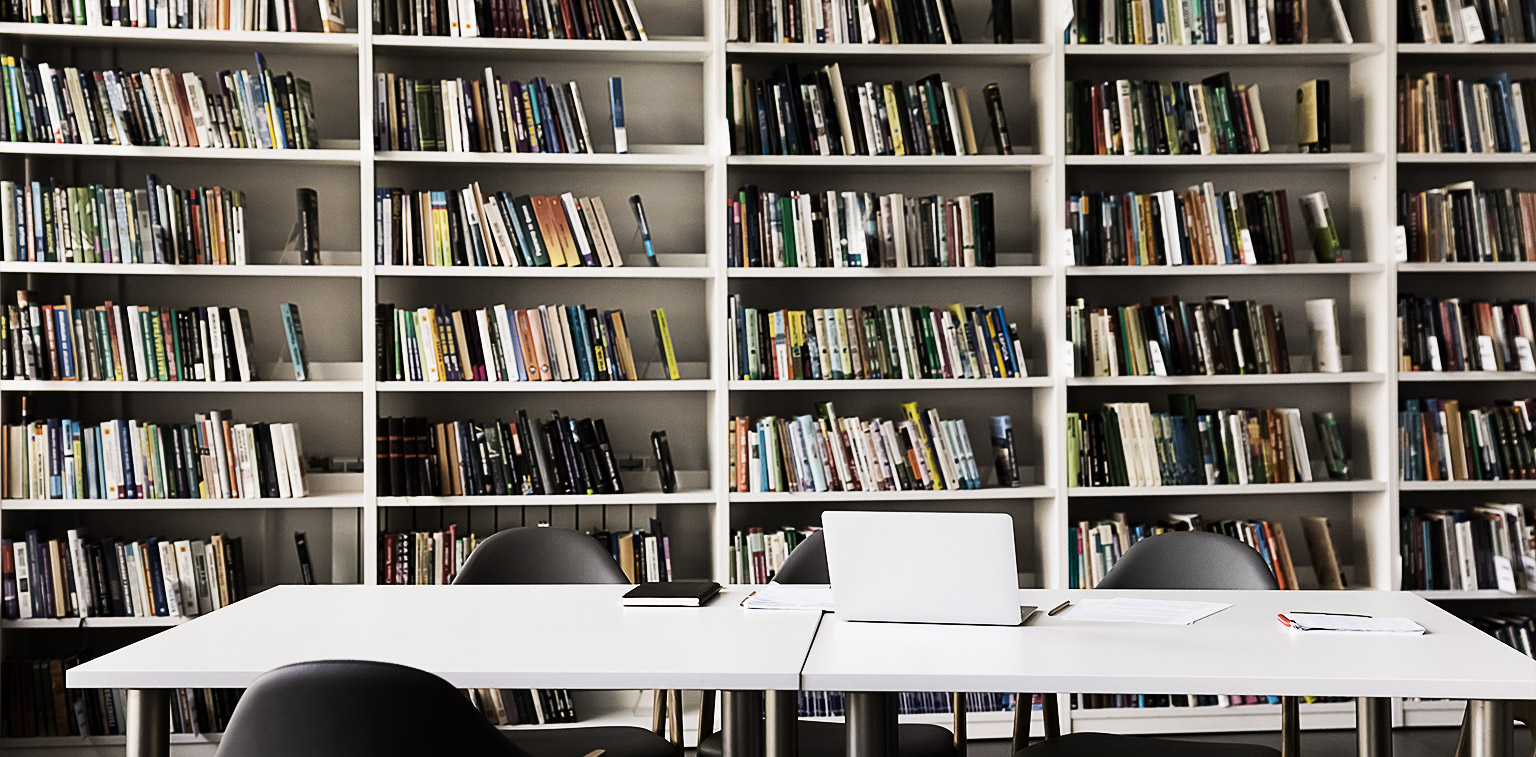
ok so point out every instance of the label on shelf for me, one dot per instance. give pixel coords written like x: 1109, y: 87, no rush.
x: 1400, y: 244
x: 1470, y: 24
x: 1523, y: 351
x: 1504, y: 572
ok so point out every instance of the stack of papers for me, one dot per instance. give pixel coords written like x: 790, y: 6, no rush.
x: 1128, y: 610
x: 1312, y: 621
x: 772, y: 596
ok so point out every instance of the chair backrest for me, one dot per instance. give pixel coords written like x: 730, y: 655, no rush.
x: 352, y: 708
x: 1190, y: 560
x: 807, y: 564
x: 532, y: 555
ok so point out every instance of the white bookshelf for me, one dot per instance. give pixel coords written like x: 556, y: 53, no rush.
x: 680, y: 162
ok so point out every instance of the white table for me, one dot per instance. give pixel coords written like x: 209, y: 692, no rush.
x: 1241, y: 650
x: 576, y: 637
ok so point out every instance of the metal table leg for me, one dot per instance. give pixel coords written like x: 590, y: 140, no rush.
x: 1373, y: 726
x: 1492, y: 728
x: 871, y: 723
x: 1290, y: 726
x: 783, y: 723
x: 149, y: 723
x: 741, y: 715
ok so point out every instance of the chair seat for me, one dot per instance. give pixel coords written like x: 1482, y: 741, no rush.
x: 1096, y: 744
x: 819, y: 738
x: 616, y: 741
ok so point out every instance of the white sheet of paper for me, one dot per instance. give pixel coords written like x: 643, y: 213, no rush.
x: 773, y: 596
x: 1129, y: 610
x: 1321, y: 622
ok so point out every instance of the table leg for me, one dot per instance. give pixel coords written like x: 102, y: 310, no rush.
x: 1373, y: 726
x: 149, y: 723
x: 1290, y: 726
x: 871, y: 723
x: 1491, y: 727
x: 783, y: 715
x: 741, y: 715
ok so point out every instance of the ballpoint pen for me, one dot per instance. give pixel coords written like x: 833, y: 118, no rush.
x: 645, y: 229
x: 1059, y: 608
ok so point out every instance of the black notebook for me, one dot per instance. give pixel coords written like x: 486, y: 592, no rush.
x: 672, y: 594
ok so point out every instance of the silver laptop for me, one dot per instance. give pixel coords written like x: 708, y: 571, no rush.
x: 923, y: 567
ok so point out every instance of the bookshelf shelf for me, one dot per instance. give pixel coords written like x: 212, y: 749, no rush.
x: 1247, y: 717
x: 97, y: 742
x: 678, y: 158
x: 1467, y: 486
x: 969, y: 53
x: 312, y: 502
x: 1488, y: 267
x: 522, y: 387
x: 187, y: 387
x: 627, y: 271
x: 50, y: 624
x: 335, y: 153
x: 1237, y: 55
x: 891, y: 162
x: 1439, y: 595
x: 1433, y: 713
x: 1288, y: 161
x: 1262, y: 379
x: 921, y: 495
x: 694, y: 497
x: 1464, y: 377
x: 876, y: 274
x: 1427, y: 49
x: 1470, y: 158
x: 809, y: 385
x: 1296, y: 269
x: 191, y: 39
x: 1315, y: 487
x: 151, y: 269
x: 655, y: 50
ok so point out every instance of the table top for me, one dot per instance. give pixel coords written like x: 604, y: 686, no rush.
x: 1241, y: 650
x: 578, y: 637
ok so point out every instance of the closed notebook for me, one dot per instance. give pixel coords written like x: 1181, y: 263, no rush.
x: 672, y: 594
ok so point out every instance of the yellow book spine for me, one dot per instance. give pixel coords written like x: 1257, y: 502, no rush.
x: 909, y: 409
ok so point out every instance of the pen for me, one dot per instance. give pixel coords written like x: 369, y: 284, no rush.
x: 1059, y: 608
x: 645, y: 229
x: 1339, y: 614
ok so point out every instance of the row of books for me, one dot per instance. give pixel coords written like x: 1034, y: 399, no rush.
x: 1461, y: 223
x: 832, y: 453
x: 954, y: 342
x: 1516, y: 630
x: 1451, y: 335
x: 43, y: 222
x: 833, y: 229
x: 1172, y: 337
x: 37, y: 703
x: 1143, y: 117
x: 1439, y: 440
x: 422, y: 558
x: 522, y: 19
x: 211, y: 458
x: 1127, y: 444
x: 1462, y: 550
x: 563, y: 455
x: 470, y: 227
x: 229, y: 15
x: 756, y: 555
x: 1191, y: 22
x: 1149, y: 701
x: 1440, y: 113
x: 524, y: 706
x: 484, y: 115
x: 125, y: 342
x: 820, y: 114
x: 1198, y: 226
x: 831, y: 704
x: 258, y: 109
x: 644, y: 554
x: 80, y: 577
x: 884, y: 22
x: 546, y: 343
x: 1482, y: 21
x: 1098, y: 545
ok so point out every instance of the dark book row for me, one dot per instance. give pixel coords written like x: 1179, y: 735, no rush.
x: 37, y: 704
x: 1096, y: 546
x: 488, y: 114
x: 66, y: 105
x: 1190, y: 22
x: 1440, y: 113
x: 833, y: 229
x: 1462, y: 550
x: 832, y: 704
x: 1439, y: 440
x: 883, y: 22
x: 1479, y: 21
x: 1144, y: 117
x: 1460, y: 223
x: 223, y: 15
x: 1454, y: 335
x: 757, y: 554
x: 1515, y: 629
x: 1163, y: 701
x: 1173, y: 337
x: 821, y: 114
x: 522, y: 19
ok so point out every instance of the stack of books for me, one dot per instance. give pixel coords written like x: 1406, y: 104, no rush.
x: 1439, y: 113
x: 211, y: 458
x: 479, y: 115
x: 546, y: 343
x: 47, y: 223
x: 1458, y: 550
x: 1441, y: 441
x: 1126, y: 444
x: 831, y: 453
x: 757, y: 554
x: 1098, y: 546
x: 469, y: 227
x: 112, y: 342
x: 256, y: 109
x: 1187, y: 22
x: 39, y: 704
x: 931, y: 22
x: 1172, y: 337
x: 80, y: 577
x: 951, y: 342
x: 1463, y: 224
x: 469, y: 458
x: 1141, y: 117
x: 819, y: 114
x: 1435, y: 334
x: 599, y: 20
x: 833, y: 229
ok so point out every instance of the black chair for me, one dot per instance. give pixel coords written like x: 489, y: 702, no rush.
x: 1175, y: 560
x: 808, y: 565
x: 352, y: 708
x: 531, y: 555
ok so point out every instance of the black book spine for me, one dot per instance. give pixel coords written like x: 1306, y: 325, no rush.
x: 664, y: 469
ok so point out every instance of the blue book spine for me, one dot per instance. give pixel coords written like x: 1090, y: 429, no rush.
x: 125, y: 432
x: 66, y: 341
x: 616, y: 107
x: 573, y: 314
x: 35, y: 571
x: 149, y: 551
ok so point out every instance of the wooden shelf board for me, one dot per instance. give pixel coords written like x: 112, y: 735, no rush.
x: 1033, y: 382
x: 1513, y: 50
x: 977, y: 53
x: 328, y: 155
x: 1263, y: 379
x: 1456, y: 158
x: 655, y: 50
x: 876, y: 274
x: 1488, y: 267
x: 151, y: 269
x: 1466, y: 486
x: 891, y: 162
x: 1315, y: 487
x: 957, y: 495
x: 1295, y: 269
x: 692, y: 158
x: 696, y: 497
x: 542, y: 272
x: 520, y: 387
x: 1463, y: 377
x: 1266, y: 160
x: 1323, y: 52
x: 187, y: 387
x: 182, y: 38
x: 66, y: 623
x: 313, y: 502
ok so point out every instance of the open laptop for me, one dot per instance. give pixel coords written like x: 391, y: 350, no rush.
x: 923, y: 567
